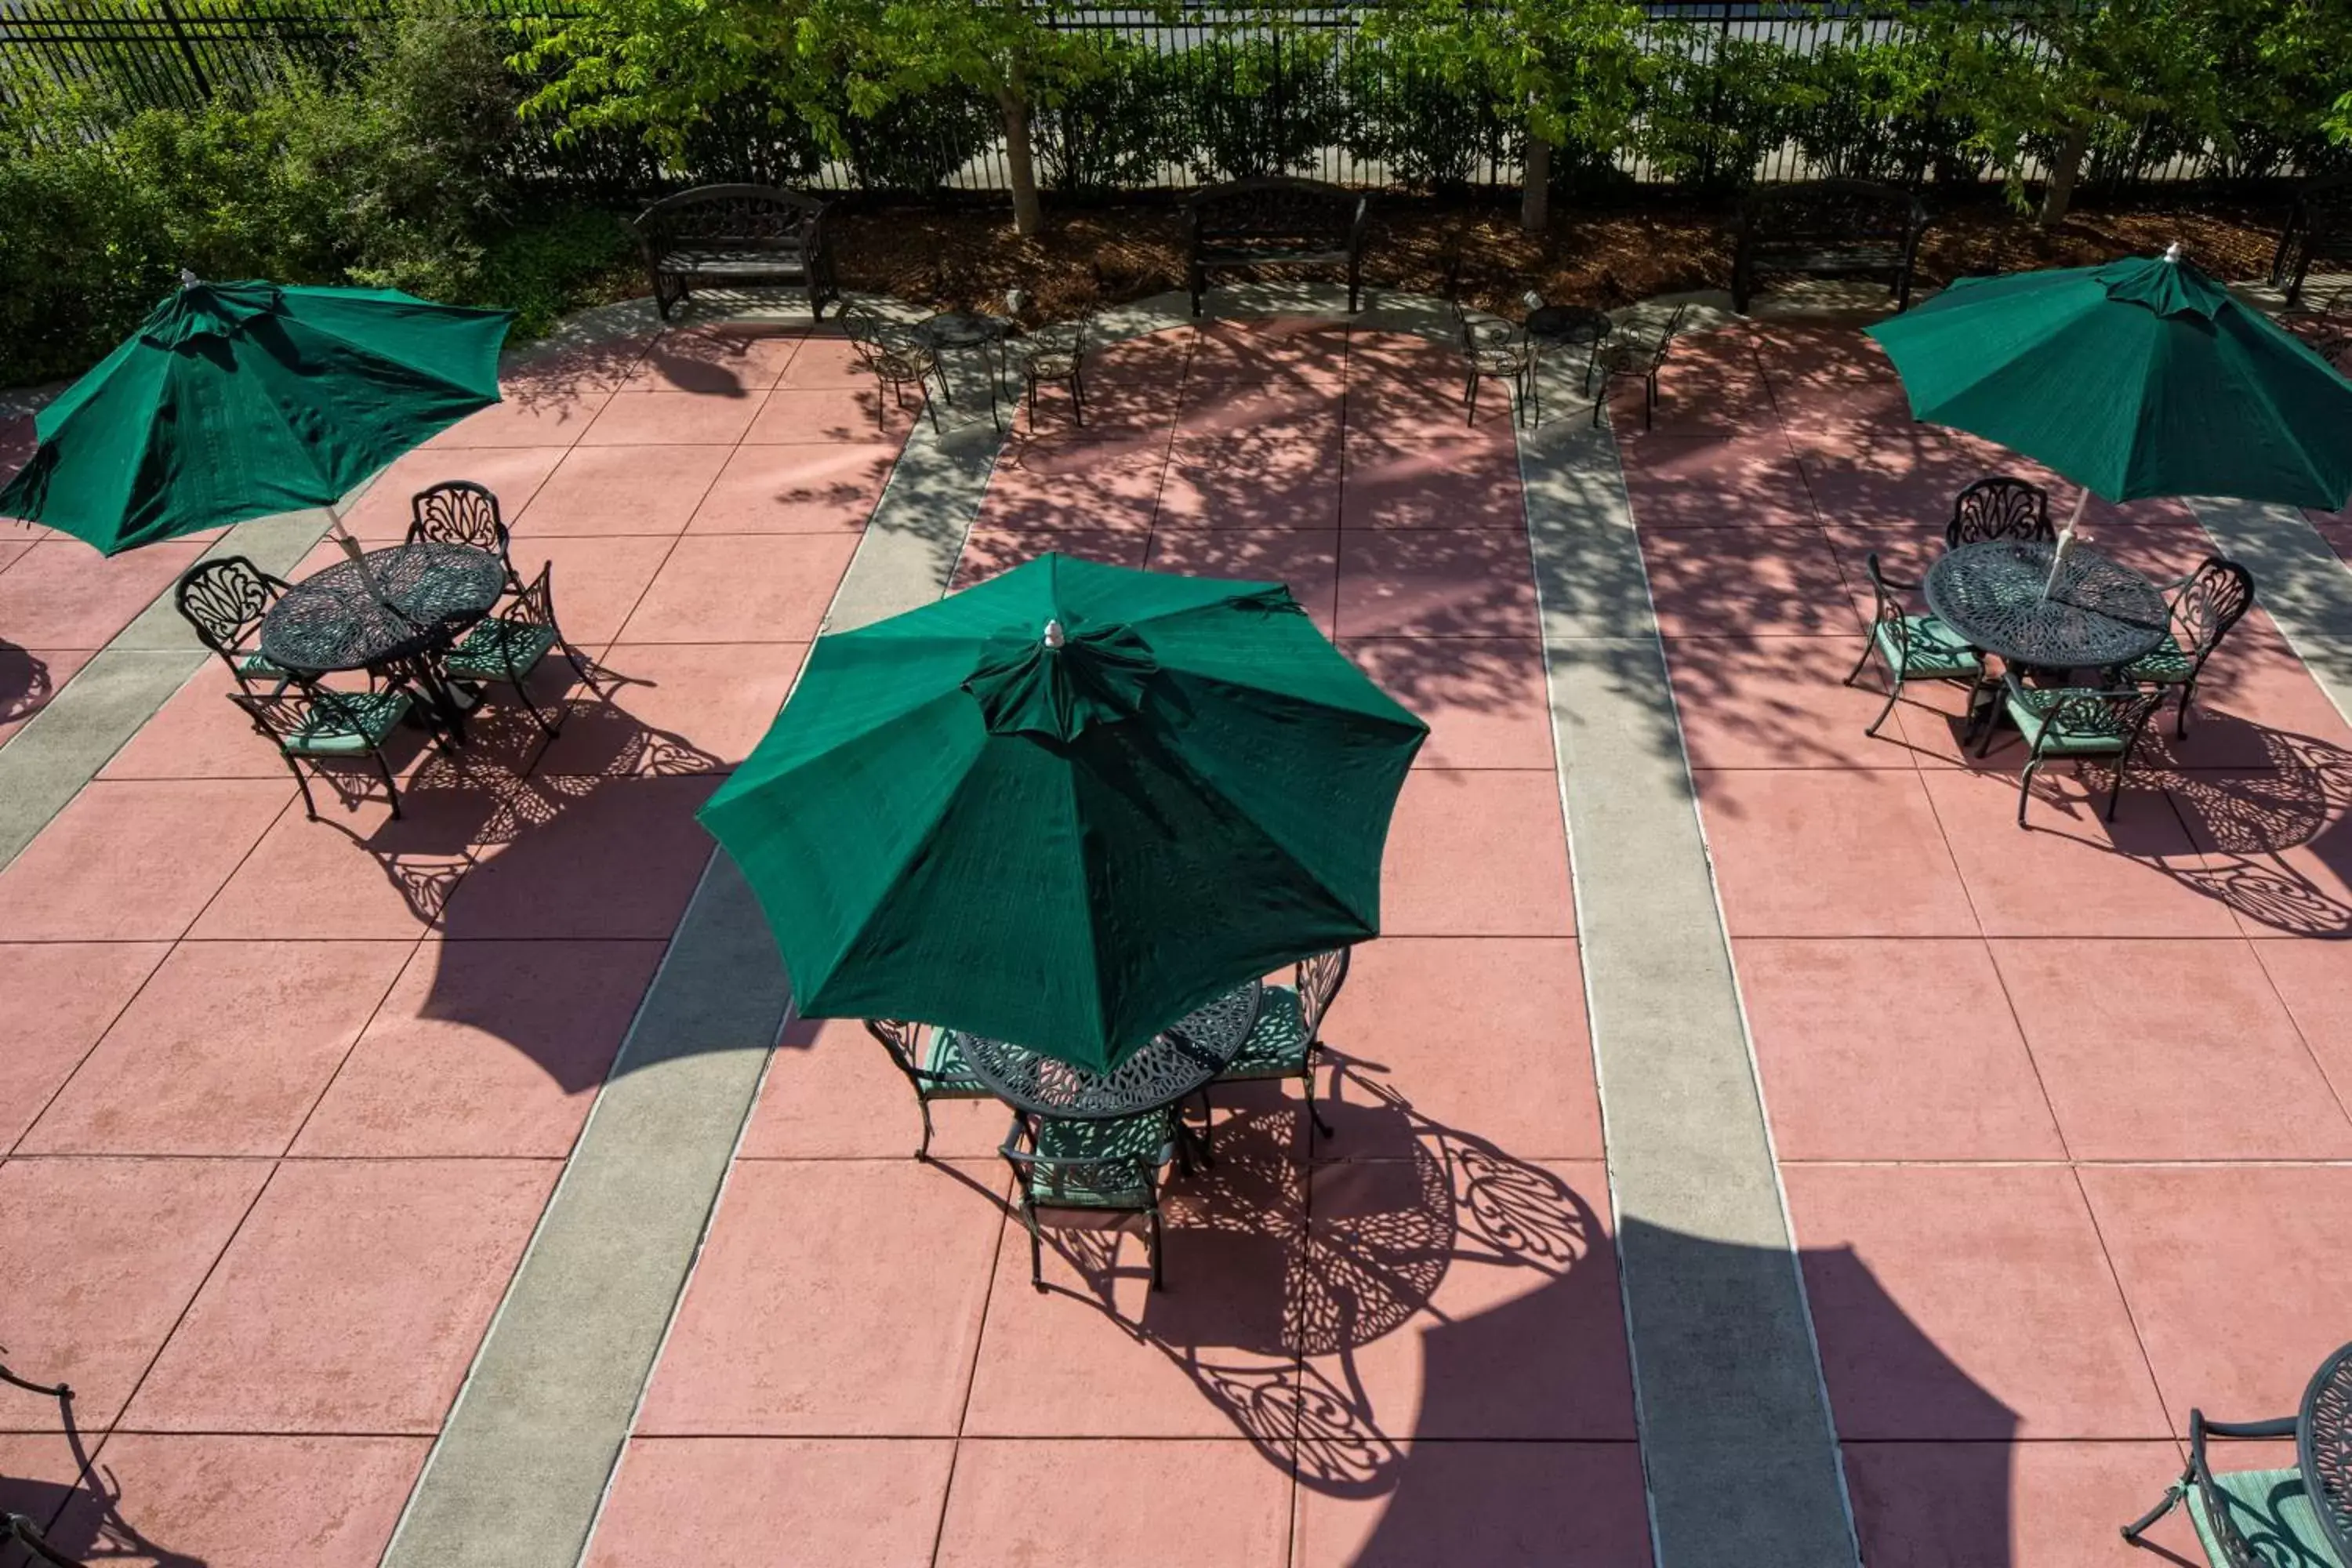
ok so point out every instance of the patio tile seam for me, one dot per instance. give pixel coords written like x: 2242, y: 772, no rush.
x: 96, y: 1040
x: 2123, y: 1296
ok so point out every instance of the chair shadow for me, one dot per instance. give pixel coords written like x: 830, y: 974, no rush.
x: 26, y: 684
x: 2242, y: 822
x: 86, y: 1520
x: 1278, y: 1305
x: 498, y: 802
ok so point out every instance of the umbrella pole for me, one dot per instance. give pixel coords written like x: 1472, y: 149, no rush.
x: 2065, y: 543
x: 351, y: 547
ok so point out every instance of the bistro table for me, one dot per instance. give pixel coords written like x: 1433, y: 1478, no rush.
x: 422, y: 598
x: 1568, y: 327
x: 2322, y: 1448
x: 2099, y: 616
x: 952, y: 331
x: 1172, y: 1065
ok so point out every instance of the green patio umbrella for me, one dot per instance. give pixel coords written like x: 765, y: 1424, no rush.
x: 239, y: 400
x: 2141, y: 377
x: 1067, y: 806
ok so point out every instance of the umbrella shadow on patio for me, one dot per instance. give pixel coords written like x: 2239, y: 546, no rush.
x: 1413, y: 1330
x: 92, y: 1519
x: 497, y: 842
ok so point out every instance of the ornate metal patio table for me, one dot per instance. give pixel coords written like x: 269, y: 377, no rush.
x: 2100, y: 615
x: 423, y: 596
x: 2322, y: 1448
x: 1173, y: 1065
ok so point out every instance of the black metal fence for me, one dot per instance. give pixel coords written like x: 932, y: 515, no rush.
x: 1202, y: 93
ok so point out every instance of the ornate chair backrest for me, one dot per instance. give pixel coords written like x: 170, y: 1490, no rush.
x: 2121, y: 710
x: 879, y: 344
x: 1666, y: 337
x: 1058, y: 340
x: 2000, y: 507
x: 1319, y: 980
x: 224, y: 601
x: 532, y: 606
x: 1887, y: 612
x: 459, y: 511
x: 1043, y: 1179
x: 2209, y: 602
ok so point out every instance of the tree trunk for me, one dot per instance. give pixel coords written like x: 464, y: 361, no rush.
x: 2060, y: 192
x: 1020, y: 168
x: 1535, y: 186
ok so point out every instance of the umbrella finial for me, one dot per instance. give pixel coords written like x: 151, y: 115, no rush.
x: 188, y: 280
x: 2172, y: 251
x: 1054, y: 636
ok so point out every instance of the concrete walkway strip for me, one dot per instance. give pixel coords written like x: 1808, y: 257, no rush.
x: 520, y: 1468
x: 2299, y: 581
x: 1737, y: 1446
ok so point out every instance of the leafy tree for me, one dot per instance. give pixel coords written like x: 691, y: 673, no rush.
x: 1267, y: 101
x: 1116, y: 127
x: 1569, y: 70
x: 2048, y: 82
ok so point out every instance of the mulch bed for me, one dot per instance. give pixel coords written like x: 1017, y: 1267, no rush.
x: 967, y: 258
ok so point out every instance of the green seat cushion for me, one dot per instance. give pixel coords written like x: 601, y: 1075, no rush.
x: 350, y: 728
x: 952, y: 1078
x: 1100, y: 1162
x: 2072, y: 739
x: 260, y: 668
x: 2271, y: 1512
x: 499, y: 650
x: 1277, y: 1046
x: 1935, y: 651
x: 2167, y: 664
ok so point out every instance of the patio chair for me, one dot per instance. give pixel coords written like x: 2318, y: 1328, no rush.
x: 224, y: 601
x: 1628, y: 359
x: 2001, y: 507
x: 1494, y: 351
x: 459, y: 511
x: 937, y: 1074
x: 56, y: 1391
x: 1913, y: 647
x: 2245, y: 1519
x: 2205, y: 605
x: 898, y: 359
x: 1090, y: 1174
x: 1054, y: 355
x: 314, y: 725
x: 1289, y: 1033
x: 28, y: 1534
x: 508, y: 646
x: 2076, y: 722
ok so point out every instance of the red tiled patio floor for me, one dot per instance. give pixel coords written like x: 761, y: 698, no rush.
x: 2045, y: 1101
x: 285, y: 1098
x: 1397, y: 1345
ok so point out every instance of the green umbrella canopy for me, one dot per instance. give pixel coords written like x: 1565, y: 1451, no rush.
x: 1067, y: 806
x: 2141, y: 377
x: 240, y: 400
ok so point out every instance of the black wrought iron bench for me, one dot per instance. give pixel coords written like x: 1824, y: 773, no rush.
x: 730, y: 236
x: 1274, y: 221
x: 1843, y: 227
x: 2318, y: 230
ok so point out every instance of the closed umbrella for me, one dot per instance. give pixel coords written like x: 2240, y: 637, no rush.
x: 2140, y: 377
x: 1067, y: 806
x: 241, y: 400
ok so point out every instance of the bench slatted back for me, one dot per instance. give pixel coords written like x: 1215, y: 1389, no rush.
x: 1275, y: 209
x: 740, y: 217
x: 1824, y: 214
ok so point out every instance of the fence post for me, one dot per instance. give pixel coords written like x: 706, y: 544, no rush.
x: 187, y: 49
